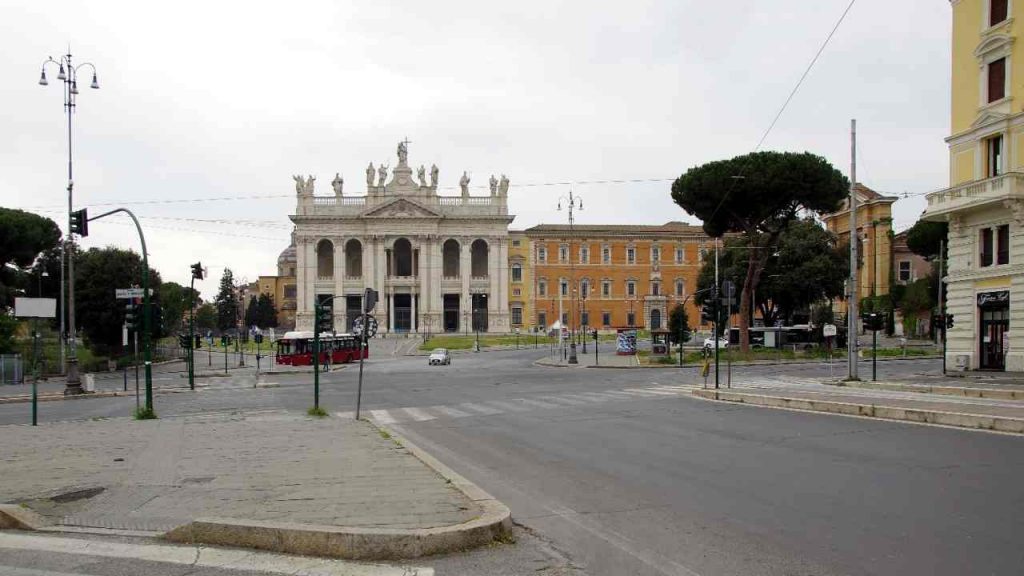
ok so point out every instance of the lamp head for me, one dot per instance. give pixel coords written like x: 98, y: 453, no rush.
x: 74, y: 86
x: 42, y: 78
x: 61, y: 75
x: 95, y: 83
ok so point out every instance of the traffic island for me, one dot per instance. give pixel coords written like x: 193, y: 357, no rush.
x: 273, y: 480
x: 995, y: 417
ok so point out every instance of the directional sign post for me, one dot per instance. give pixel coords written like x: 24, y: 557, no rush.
x: 128, y: 293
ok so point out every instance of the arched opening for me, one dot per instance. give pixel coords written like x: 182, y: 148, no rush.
x: 478, y: 253
x: 450, y: 255
x: 402, y: 254
x: 325, y: 259
x: 354, y: 259
x: 655, y: 319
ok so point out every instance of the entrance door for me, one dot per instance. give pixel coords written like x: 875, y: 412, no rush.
x: 994, y: 324
x: 353, y: 308
x: 451, y: 312
x: 480, y: 312
x: 403, y: 312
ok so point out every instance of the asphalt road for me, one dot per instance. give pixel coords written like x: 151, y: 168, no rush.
x: 632, y: 480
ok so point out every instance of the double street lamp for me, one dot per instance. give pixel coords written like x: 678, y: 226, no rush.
x: 573, y: 203
x: 68, y: 73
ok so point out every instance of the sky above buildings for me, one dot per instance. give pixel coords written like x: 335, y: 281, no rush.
x: 203, y: 101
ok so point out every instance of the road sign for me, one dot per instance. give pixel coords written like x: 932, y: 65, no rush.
x: 371, y: 322
x: 729, y: 289
x: 35, y: 307
x: 128, y: 293
x: 828, y: 330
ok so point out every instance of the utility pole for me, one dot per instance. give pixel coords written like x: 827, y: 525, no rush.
x: 851, y: 302
x: 574, y: 203
x: 942, y: 305
x: 718, y: 303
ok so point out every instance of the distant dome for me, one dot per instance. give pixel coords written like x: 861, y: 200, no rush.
x: 287, y: 261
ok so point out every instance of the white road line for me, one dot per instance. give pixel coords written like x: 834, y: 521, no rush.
x: 508, y: 406
x: 619, y: 393
x: 564, y: 400
x: 641, y: 392
x: 539, y: 403
x: 585, y: 398
x: 480, y: 408
x: 418, y: 415
x: 382, y: 416
x: 346, y: 415
x: 660, y: 392
x: 199, y: 557
x: 600, y: 396
x: 449, y: 411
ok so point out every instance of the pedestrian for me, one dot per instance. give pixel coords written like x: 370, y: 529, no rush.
x: 327, y: 361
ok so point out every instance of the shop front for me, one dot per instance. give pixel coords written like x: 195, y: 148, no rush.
x: 993, y: 329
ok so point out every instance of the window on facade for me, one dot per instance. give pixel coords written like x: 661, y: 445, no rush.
x: 565, y: 318
x: 517, y: 292
x: 606, y: 255
x: 517, y: 316
x: 680, y: 288
x: 993, y: 156
x: 542, y: 288
x: 606, y: 318
x: 631, y: 255
x: 565, y: 288
x: 584, y: 255
x: 585, y: 318
x: 517, y: 272
x: 986, y: 247
x: 655, y: 288
x: 516, y: 243
x: 630, y: 288
x: 289, y: 290
x: 542, y: 254
x: 542, y: 319
x: 631, y: 318
x: 563, y: 253
x: 1003, y: 244
x: 655, y: 254
x: 903, y: 274
x: 679, y: 255
x: 997, y: 11
x: 606, y: 288
x: 996, y: 79
x: 585, y: 289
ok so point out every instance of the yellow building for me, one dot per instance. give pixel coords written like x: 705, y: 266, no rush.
x: 520, y: 278
x: 874, y: 248
x: 984, y: 204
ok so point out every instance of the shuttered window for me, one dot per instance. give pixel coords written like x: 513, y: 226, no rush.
x: 997, y: 12
x: 996, y: 79
x: 1003, y: 244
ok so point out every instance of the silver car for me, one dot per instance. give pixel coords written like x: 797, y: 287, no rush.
x: 440, y: 356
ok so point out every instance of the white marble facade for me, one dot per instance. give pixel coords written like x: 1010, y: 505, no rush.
x: 439, y: 263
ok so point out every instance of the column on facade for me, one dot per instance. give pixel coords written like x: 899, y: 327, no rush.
x: 301, y: 280
x: 415, y: 311
x: 309, y: 287
x: 436, y: 303
x: 339, y: 284
x: 503, y: 281
x: 465, y: 272
x: 380, y: 270
x: 493, y: 281
x: 391, y: 311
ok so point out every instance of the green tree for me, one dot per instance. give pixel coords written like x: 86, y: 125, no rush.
x: 679, y: 324
x: 176, y: 300
x: 252, y: 312
x: 23, y: 236
x: 758, y: 195
x: 206, y: 317
x: 266, y: 312
x: 226, y: 302
x: 99, y: 314
x: 924, y: 238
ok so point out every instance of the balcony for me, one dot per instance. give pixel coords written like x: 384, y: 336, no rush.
x: 975, y: 195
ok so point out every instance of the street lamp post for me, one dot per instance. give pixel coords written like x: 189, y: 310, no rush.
x: 573, y: 203
x: 68, y: 73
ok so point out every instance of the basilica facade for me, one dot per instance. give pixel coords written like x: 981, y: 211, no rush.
x: 438, y: 263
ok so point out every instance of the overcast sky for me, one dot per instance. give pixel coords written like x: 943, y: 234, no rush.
x: 204, y: 100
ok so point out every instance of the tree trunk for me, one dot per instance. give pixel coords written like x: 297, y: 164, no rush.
x: 745, y: 301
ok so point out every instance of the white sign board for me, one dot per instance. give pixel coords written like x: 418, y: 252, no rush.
x: 126, y: 293
x: 35, y: 307
x: 828, y: 330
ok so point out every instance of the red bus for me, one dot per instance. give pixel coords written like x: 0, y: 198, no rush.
x: 296, y: 348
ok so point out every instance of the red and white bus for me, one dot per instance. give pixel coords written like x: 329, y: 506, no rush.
x: 296, y: 348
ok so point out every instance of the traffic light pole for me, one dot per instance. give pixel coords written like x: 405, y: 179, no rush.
x: 147, y: 352
x: 316, y: 356
x: 191, y: 335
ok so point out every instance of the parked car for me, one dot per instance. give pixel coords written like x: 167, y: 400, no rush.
x: 710, y: 343
x: 440, y: 356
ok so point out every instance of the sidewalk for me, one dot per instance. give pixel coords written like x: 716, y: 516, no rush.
x: 606, y: 358
x: 267, y: 479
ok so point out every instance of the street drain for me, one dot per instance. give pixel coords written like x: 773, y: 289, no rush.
x: 76, y: 495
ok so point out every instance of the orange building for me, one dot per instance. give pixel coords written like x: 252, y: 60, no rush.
x: 614, y: 276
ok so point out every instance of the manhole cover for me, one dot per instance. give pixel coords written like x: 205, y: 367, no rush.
x: 76, y: 495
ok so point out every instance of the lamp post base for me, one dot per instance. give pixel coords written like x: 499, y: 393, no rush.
x: 74, y: 382
x: 572, y: 354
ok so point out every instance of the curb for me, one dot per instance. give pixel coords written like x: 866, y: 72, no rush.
x: 921, y: 416
x: 356, y: 543
x: 14, y: 517
x: 21, y: 399
x: 961, y: 391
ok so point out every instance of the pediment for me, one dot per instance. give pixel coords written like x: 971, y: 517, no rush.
x: 987, y: 117
x: 401, y: 208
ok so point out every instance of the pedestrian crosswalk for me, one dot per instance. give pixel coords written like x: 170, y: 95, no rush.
x: 520, y: 405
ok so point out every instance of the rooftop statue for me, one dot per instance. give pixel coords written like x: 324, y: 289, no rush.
x: 464, y: 184
x: 503, y: 186
x: 433, y: 176
x: 382, y: 173
x: 369, y: 175
x: 421, y: 173
x: 338, y: 184
x: 494, y: 185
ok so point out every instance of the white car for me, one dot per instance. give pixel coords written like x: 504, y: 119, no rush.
x: 710, y: 343
x: 439, y: 356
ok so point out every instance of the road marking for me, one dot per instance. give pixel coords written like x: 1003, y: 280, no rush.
x: 418, y: 415
x: 509, y: 406
x: 641, y: 392
x: 382, y: 416
x: 18, y: 571
x: 564, y: 400
x: 348, y: 414
x: 199, y: 557
x: 651, y: 392
x: 480, y: 408
x: 585, y: 398
x: 539, y: 403
x: 454, y: 413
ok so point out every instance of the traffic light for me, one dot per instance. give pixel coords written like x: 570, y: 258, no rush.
x: 80, y: 222
x: 224, y: 341
x: 949, y: 320
x: 199, y: 341
x: 184, y: 341
x: 197, y: 271
x: 156, y: 324
x: 258, y: 338
x: 873, y: 321
x: 323, y: 320
x: 707, y: 314
x: 370, y: 300
x: 131, y: 316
